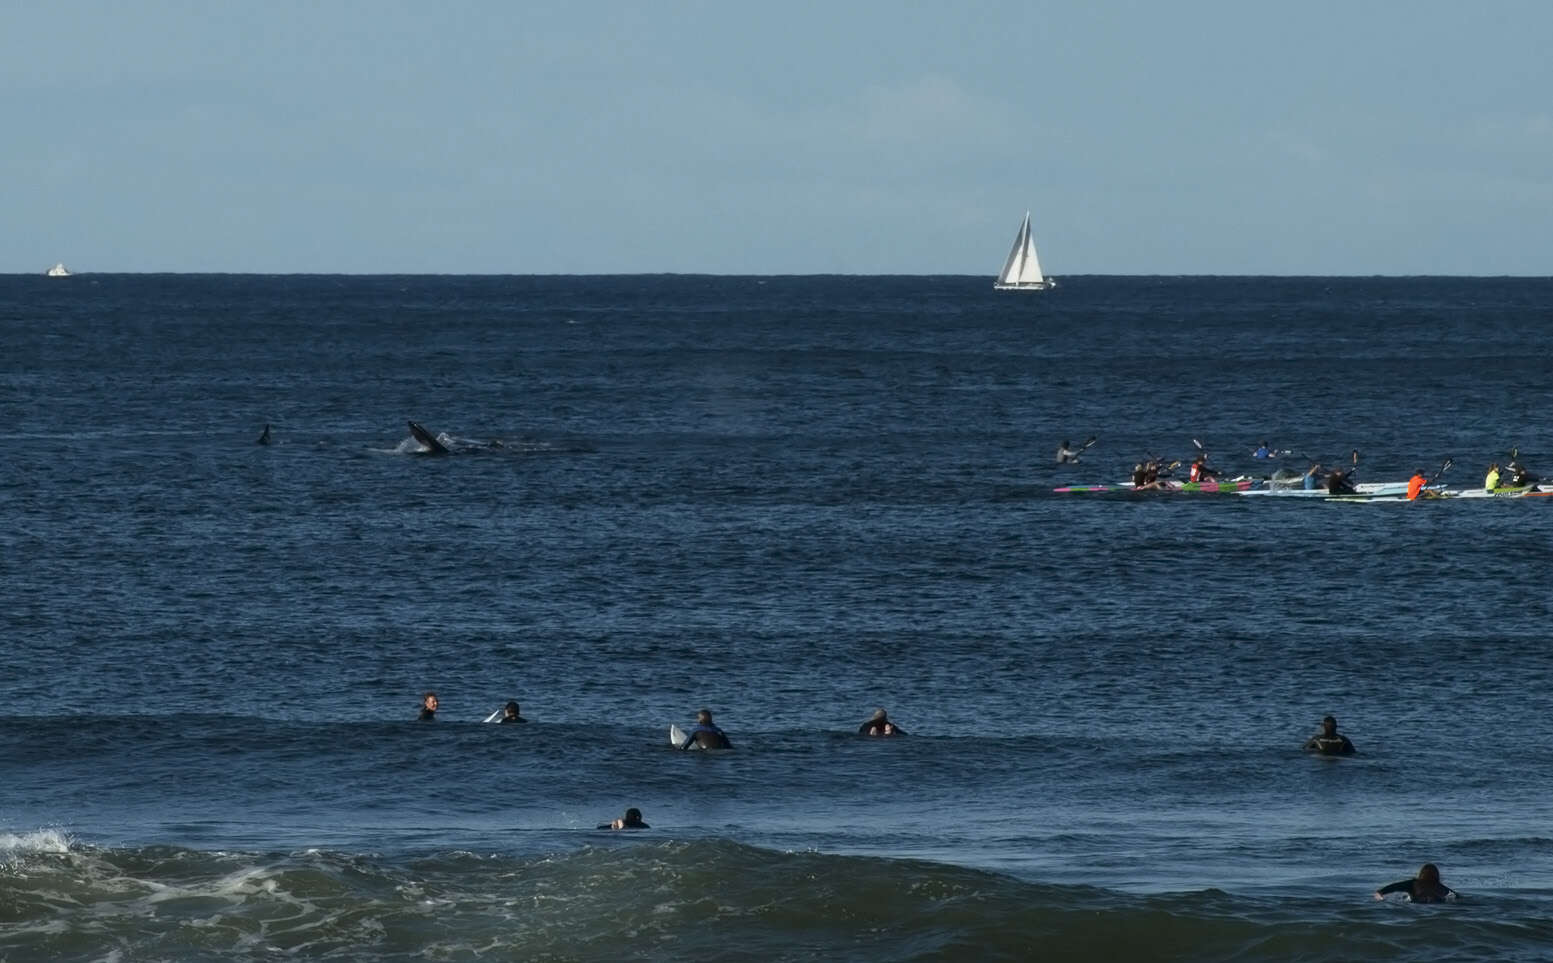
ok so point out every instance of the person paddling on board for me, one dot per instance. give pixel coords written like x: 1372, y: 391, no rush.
x: 1416, y: 484
x: 1328, y: 741
x: 1263, y: 452
x: 1423, y: 888
x: 879, y: 724
x: 1313, y: 477
x: 509, y: 713
x: 1491, y: 480
x: 1200, y: 472
x: 1067, y: 454
x: 1338, y: 482
x: 1520, y: 477
x: 631, y: 820
x: 705, y: 735
x: 428, y: 707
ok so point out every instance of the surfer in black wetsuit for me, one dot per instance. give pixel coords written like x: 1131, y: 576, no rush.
x: 706, y: 735
x: 428, y: 707
x: 1067, y: 454
x: 1328, y: 741
x: 1423, y: 888
x: 1338, y: 483
x: 631, y: 820
x: 879, y: 724
x: 509, y: 713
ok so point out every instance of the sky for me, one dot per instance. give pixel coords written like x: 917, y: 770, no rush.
x: 643, y: 136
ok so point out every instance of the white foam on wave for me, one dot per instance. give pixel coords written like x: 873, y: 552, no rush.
x: 37, y: 841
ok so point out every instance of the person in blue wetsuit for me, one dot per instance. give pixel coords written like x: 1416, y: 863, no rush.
x: 1262, y: 452
x: 705, y: 735
x: 1423, y: 888
x: 1328, y: 741
x: 1313, y: 478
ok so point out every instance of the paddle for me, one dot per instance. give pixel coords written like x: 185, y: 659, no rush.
x: 1087, y: 444
x: 1444, y: 467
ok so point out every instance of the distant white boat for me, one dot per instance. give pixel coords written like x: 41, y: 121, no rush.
x: 58, y: 271
x: 1022, y: 270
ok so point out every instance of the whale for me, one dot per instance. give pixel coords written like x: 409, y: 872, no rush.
x: 433, y: 446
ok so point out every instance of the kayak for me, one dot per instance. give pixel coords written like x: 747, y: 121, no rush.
x: 1503, y: 491
x: 1385, y: 489
x: 1165, y: 486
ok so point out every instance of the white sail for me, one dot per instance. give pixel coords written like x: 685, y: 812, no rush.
x: 58, y: 271
x: 1022, y: 270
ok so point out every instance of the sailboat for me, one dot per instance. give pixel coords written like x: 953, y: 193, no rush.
x: 58, y: 271
x: 1022, y: 270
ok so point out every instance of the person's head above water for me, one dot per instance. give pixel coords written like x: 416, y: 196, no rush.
x: 704, y: 717
x: 879, y: 716
x: 429, y: 700
x: 510, y: 710
x: 1329, y: 726
x: 1430, y: 874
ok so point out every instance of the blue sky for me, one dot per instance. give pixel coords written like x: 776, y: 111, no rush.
x: 731, y: 138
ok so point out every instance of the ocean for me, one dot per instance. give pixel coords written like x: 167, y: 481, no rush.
x: 790, y: 500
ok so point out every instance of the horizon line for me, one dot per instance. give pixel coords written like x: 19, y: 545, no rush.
x: 706, y: 274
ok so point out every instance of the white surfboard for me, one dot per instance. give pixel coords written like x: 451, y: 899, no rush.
x: 495, y: 716
x: 676, y: 736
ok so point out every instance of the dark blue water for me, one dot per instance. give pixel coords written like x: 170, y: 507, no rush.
x: 790, y: 500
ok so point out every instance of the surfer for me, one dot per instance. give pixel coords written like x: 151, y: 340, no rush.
x: 705, y: 735
x: 428, y: 707
x: 1067, y: 454
x: 1328, y: 741
x: 1520, y: 477
x: 879, y: 724
x: 631, y: 820
x: 1423, y: 888
x: 1491, y: 480
x: 1313, y: 477
x: 264, y: 436
x: 1263, y: 452
x: 1415, y: 485
x: 509, y: 713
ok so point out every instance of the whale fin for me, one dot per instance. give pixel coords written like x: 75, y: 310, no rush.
x: 426, y: 438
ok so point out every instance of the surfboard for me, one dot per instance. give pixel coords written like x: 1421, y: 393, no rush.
x: 676, y: 736
x: 495, y: 716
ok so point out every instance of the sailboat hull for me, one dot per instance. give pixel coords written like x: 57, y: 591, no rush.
x: 1028, y: 286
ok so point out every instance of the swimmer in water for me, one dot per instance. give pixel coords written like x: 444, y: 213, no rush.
x: 1423, y: 888
x: 1328, y: 742
x: 879, y: 724
x: 631, y: 820
x: 428, y: 707
x: 509, y: 713
x: 706, y: 735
